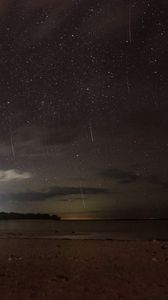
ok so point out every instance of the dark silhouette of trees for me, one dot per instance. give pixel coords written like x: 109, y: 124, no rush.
x: 27, y: 216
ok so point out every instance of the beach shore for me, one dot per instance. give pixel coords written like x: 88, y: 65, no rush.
x: 83, y: 269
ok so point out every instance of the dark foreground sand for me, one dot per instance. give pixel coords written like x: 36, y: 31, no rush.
x: 57, y: 269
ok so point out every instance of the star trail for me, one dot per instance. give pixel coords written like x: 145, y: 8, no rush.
x: 83, y: 108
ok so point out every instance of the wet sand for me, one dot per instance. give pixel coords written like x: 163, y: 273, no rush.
x: 83, y: 269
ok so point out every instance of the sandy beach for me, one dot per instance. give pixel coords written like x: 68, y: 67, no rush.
x: 65, y: 269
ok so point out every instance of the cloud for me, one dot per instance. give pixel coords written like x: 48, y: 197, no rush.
x: 53, y: 192
x: 10, y: 175
x: 154, y: 179
x: 121, y: 176
x: 127, y: 177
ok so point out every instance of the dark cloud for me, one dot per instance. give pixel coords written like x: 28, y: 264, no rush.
x: 127, y: 177
x: 121, y: 176
x: 32, y: 196
x: 156, y: 180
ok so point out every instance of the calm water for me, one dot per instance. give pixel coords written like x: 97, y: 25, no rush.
x: 85, y: 229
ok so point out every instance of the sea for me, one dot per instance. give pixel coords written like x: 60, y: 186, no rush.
x: 87, y: 229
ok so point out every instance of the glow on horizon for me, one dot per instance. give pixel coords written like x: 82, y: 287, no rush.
x: 80, y: 219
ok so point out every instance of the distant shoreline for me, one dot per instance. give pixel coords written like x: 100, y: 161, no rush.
x: 119, y: 220
x: 27, y: 216
x: 41, y: 216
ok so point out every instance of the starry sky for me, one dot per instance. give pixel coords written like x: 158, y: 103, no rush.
x: 83, y: 108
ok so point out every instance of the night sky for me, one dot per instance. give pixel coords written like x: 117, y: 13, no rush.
x: 84, y: 108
